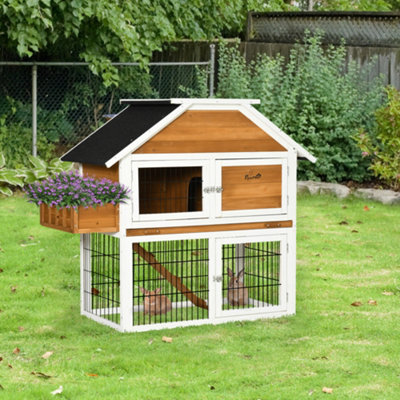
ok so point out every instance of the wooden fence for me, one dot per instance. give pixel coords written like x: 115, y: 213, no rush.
x: 387, y: 58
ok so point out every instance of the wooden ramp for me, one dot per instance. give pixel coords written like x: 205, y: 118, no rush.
x: 172, y: 279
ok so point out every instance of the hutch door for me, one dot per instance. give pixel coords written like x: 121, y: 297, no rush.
x: 251, y: 275
x: 251, y: 187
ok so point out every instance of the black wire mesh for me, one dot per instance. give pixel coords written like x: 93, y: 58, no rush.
x: 170, y: 190
x: 251, y: 275
x: 101, y: 277
x: 16, y: 114
x: 170, y: 281
x: 72, y: 102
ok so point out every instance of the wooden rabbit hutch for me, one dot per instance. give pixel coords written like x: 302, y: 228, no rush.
x: 209, y: 235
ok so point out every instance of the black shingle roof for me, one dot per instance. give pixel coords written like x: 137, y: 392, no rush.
x: 119, y: 132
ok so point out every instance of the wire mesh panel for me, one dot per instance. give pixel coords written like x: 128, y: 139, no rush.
x: 170, y: 281
x: 72, y: 102
x: 251, y: 274
x: 101, y: 277
x: 170, y: 190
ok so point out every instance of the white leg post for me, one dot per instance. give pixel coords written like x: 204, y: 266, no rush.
x: 86, y: 298
x: 291, y: 260
x: 126, y: 279
x: 291, y: 272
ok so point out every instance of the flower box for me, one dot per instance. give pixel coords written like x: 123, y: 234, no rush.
x: 84, y: 220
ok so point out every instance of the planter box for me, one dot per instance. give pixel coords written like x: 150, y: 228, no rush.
x: 89, y: 220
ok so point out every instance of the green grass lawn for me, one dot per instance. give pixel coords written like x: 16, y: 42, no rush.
x: 345, y: 254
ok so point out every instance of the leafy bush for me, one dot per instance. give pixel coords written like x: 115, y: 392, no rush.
x: 66, y: 190
x: 8, y: 177
x: 383, y: 145
x: 16, y: 145
x: 41, y: 169
x: 200, y: 88
x: 52, y: 125
x: 23, y: 176
x: 313, y: 98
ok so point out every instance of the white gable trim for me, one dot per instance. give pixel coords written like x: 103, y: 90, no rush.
x: 146, y: 136
x: 265, y: 124
x: 244, y: 106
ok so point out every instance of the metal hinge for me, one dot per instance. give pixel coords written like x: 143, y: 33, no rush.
x: 211, y: 189
x: 287, y: 247
x: 217, y: 278
x: 287, y: 297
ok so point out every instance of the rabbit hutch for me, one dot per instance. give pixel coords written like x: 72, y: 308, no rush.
x: 209, y: 232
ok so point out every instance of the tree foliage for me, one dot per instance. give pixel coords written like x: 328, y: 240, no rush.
x: 101, y: 31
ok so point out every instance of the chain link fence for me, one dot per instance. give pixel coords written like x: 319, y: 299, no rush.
x: 47, y: 108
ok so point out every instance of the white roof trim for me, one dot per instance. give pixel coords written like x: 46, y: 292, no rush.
x: 264, y: 123
x: 215, y: 101
x: 244, y: 106
x: 146, y: 136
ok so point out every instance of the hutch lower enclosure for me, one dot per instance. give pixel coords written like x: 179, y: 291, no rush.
x: 209, y: 232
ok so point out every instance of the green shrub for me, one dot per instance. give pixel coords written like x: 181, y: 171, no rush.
x: 16, y: 145
x: 313, y: 99
x: 36, y: 171
x: 383, y: 145
x: 8, y: 178
x: 52, y: 125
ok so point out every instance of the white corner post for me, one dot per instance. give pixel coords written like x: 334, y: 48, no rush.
x: 126, y: 279
x: 292, y: 210
x: 34, y: 110
x: 86, y: 268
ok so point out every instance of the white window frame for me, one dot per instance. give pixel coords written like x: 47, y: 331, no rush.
x: 220, y: 163
x: 137, y: 217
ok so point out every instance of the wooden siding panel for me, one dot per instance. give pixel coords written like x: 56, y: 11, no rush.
x: 100, y: 171
x: 199, y: 131
x: 251, y: 187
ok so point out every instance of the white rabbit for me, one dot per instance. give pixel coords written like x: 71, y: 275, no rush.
x: 238, y: 294
x: 155, y: 303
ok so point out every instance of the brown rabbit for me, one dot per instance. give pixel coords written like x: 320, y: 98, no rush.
x: 155, y: 303
x: 238, y: 294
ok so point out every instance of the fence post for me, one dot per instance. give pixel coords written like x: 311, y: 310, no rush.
x: 34, y: 110
x: 212, y: 70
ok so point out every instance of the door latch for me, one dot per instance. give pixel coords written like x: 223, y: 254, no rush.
x: 217, y: 278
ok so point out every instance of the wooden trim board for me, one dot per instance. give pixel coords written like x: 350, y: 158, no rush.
x: 209, y: 228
